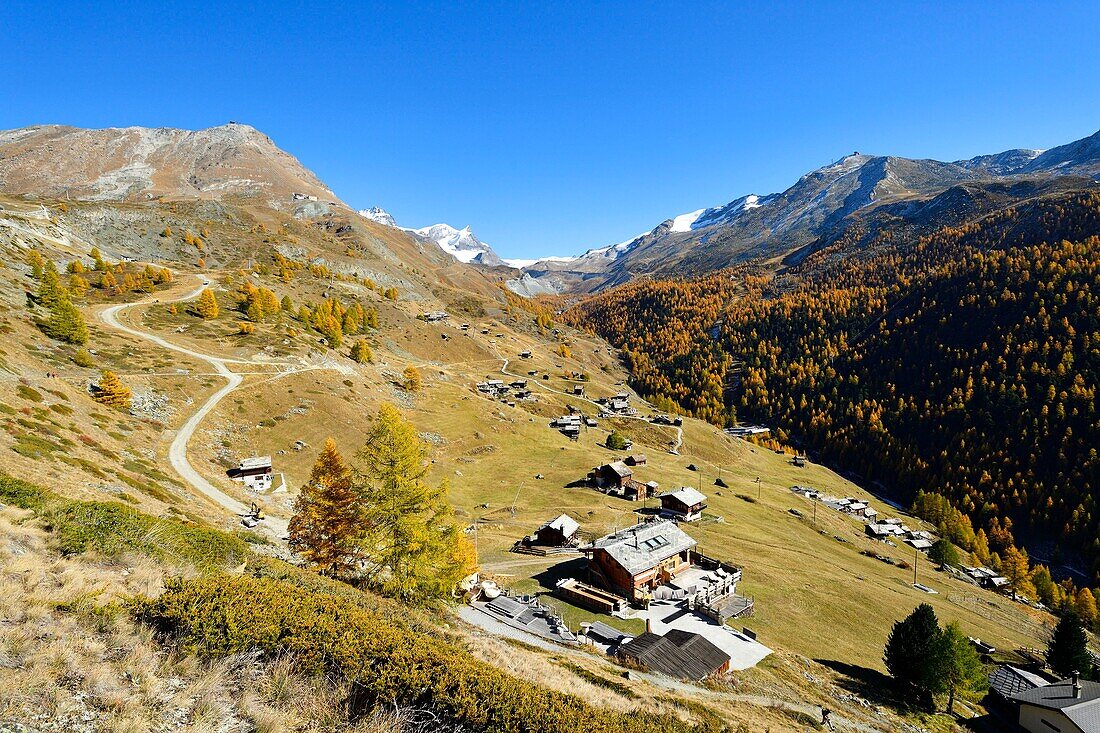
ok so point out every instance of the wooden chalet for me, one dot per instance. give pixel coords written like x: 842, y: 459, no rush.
x: 684, y: 505
x: 634, y: 561
x: 683, y: 655
x: 617, y: 478
x: 558, y: 532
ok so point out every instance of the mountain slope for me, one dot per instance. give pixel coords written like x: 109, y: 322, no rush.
x: 817, y: 209
x: 961, y: 362
x: 139, y: 163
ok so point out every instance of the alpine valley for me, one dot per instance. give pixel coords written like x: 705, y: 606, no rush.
x: 272, y: 463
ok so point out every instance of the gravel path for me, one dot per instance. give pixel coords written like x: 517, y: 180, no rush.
x: 177, y: 451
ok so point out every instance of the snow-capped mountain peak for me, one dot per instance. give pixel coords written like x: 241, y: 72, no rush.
x: 378, y: 215
x: 461, y: 244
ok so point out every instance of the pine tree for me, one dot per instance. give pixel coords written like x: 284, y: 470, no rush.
x: 964, y: 670
x: 1067, y: 650
x: 207, y: 305
x: 413, y: 380
x: 326, y: 519
x: 943, y: 553
x: 915, y: 656
x: 112, y: 392
x: 360, y: 352
x: 411, y: 547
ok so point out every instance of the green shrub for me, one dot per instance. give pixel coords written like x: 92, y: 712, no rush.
x: 28, y: 393
x: 112, y: 528
x: 220, y: 615
x: 22, y: 494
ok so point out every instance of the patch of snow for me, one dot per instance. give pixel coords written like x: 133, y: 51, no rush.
x: 683, y: 222
x: 379, y: 215
x: 459, y: 243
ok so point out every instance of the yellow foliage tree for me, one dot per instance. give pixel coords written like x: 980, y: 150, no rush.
x: 112, y: 392
x: 411, y: 547
x: 207, y: 305
x: 326, y: 520
x: 413, y: 380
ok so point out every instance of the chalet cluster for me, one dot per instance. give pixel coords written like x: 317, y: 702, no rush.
x: 617, y: 479
x: 570, y: 425
x: 499, y: 389
x: 747, y: 431
x: 617, y: 405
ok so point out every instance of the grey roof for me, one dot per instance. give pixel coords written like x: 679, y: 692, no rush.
x: 641, y: 546
x: 681, y: 654
x: 688, y: 495
x: 563, y: 523
x: 1084, y: 711
x: 619, y: 468
x: 1007, y: 680
x: 601, y: 630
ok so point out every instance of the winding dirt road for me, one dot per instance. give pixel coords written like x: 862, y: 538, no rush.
x: 177, y: 451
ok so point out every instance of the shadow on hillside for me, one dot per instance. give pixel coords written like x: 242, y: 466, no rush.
x: 870, y: 684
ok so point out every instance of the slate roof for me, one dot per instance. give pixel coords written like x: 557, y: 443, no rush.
x: 564, y: 524
x: 1084, y: 710
x: 1007, y: 680
x: 601, y: 630
x: 619, y: 468
x: 641, y: 546
x: 681, y: 654
x: 688, y: 496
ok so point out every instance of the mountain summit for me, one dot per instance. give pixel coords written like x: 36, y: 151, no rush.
x: 135, y: 163
x: 815, y: 210
x: 462, y: 244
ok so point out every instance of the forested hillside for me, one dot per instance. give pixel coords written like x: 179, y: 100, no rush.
x: 963, y: 363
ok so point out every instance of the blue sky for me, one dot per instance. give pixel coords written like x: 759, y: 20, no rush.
x: 558, y: 127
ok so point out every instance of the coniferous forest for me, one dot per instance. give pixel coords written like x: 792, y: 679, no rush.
x: 962, y: 363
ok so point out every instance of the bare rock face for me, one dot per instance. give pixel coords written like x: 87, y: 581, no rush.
x: 139, y: 163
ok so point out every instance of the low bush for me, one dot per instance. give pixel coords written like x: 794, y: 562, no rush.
x: 22, y: 494
x: 385, y: 661
x: 112, y: 528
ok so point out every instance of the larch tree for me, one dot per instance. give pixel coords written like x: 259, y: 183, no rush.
x: 207, y: 305
x: 112, y: 392
x: 411, y: 547
x: 413, y: 380
x: 360, y: 352
x: 66, y: 323
x: 326, y: 521
x: 1015, y: 567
